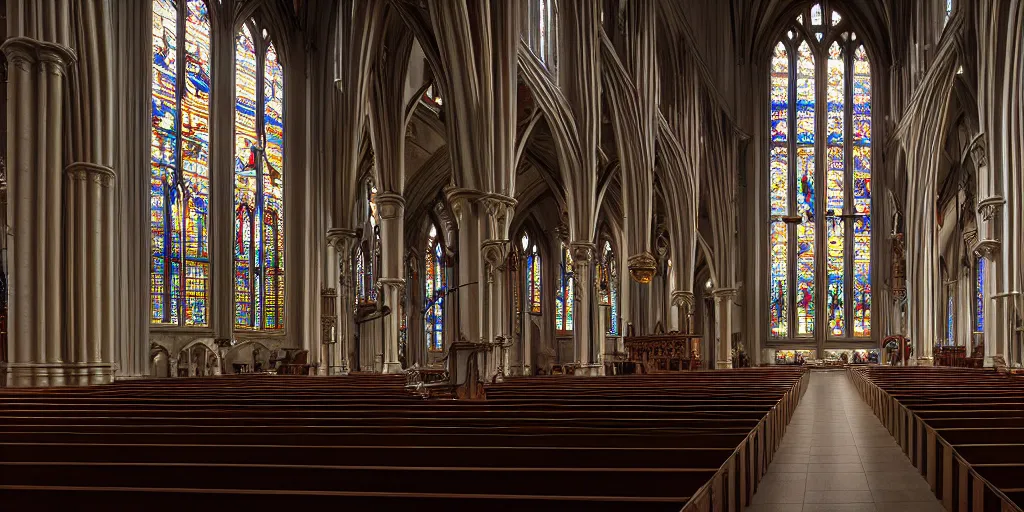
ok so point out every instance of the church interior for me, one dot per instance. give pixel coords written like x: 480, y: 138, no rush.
x: 664, y: 255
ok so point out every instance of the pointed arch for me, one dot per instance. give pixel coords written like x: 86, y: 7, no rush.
x: 180, y: 164
x: 258, y: 181
x: 435, y: 287
x: 819, y: 204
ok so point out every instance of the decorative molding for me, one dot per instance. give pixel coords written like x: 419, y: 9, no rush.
x: 725, y: 294
x: 25, y: 51
x: 987, y: 248
x: 990, y: 207
x: 390, y: 205
x: 582, y: 252
x: 99, y: 174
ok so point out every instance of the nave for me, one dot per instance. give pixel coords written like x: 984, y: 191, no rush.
x: 837, y: 456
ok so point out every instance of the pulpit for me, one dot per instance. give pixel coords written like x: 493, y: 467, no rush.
x: 671, y: 352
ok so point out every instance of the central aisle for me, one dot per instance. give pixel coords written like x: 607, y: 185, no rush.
x: 836, y: 456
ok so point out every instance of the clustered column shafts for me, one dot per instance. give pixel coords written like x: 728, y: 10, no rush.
x: 90, y: 221
x: 392, y: 280
x: 37, y: 77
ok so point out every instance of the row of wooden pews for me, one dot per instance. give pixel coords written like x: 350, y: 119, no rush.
x: 962, y: 428
x: 697, y: 441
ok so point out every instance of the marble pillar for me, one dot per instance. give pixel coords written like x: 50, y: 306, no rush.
x: 37, y: 78
x: 469, y: 297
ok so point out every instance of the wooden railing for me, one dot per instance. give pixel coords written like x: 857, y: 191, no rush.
x: 670, y: 352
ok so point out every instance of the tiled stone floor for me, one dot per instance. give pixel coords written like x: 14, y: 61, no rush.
x: 836, y: 456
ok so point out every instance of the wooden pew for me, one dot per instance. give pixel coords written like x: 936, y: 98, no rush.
x: 962, y: 428
x: 696, y: 443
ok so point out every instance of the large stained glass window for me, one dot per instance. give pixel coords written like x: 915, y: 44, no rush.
x: 608, y: 286
x: 979, y: 295
x: 434, y: 288
x: 564, y: 300
x: 950, y: 316
x: 259, y: 188
x: 180, y: 164
x: 833, y: 116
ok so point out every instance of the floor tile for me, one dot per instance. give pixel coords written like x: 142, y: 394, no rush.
x: 836, y: 456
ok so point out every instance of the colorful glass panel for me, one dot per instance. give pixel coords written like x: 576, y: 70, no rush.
x: 836, y: 193
x: 950, y: 314
x: 259, y: 188
x: 564, y: 301
x: 533, y: 280
x: 434, y: 284
x: 360, y: 275
x: 805, y: 100
x: 180, y: 165
x: 861, y: 155
x: 979, y: 295
x: 778, y: 233
x: 846, y: 212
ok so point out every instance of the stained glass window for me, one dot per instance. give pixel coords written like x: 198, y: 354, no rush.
x: 180, y: 164
x: 564, y: 302
x: 533, y: 270
x: 949, y: 9
x: 843, y: 173
x: 434, y: 288
x: 608, y: 286
x: 950, y: 315
x: 259, y: 189
x: 360, y: 264
x: 979, y: 295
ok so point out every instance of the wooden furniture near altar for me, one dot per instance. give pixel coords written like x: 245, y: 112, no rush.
x: 671, y: 352
x: 296, y: 363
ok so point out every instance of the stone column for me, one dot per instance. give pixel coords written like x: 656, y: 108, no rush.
x: 343, y: 241
x: 724, y: 298
x: 391, y: 207
x: 35, y: 120
x: 89, y: 273
x: 582, y: 259
x: 469, y: 297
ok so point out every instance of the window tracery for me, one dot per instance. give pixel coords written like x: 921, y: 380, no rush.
x: 608, y: 286
x: 180, y: 164
x: 842, y: 171
x: 258, y: 187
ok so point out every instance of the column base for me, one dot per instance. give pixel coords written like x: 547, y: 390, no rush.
x: 723, y: 365
x: 393, y: 367
x: 589, y: 370
x: 23, y: 375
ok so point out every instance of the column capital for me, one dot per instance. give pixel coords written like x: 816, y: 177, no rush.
x: 23, y: 51
x: 100, y: 174
x: 724, y: 294
x: 582, y: 251
x: 991, y: 206
x: 340, y: 237
x: 390, y: 205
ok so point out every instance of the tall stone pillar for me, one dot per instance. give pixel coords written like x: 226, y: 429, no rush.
x: 391, y: 207
x: 37, y: 74
x: 343, y: 241
x: 724, y: 298
x: 466, y: 209
x: 89, y: 273
x: 582, y: 260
